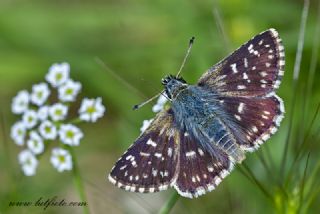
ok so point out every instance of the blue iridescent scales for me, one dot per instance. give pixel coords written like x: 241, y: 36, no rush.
x: 209, y: 127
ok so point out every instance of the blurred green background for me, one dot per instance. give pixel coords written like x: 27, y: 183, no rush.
x: 141, y: 41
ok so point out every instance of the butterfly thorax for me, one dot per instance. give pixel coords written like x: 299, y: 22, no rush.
x: 173, y: 85
x: 199, y: 112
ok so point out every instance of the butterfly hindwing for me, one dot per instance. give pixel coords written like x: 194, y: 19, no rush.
x: 149, y: 165
x: 255, y: 69
x: 200, y: 171
x: 253, y: 119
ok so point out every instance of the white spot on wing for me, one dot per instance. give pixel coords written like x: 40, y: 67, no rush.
x: 201, y: 153
x: 237, y: 117
x: 210, y: 168
x: 254, y: 129
x: 234, y: 67
x: 112, y: 180
x: 123, y: 167
x: 134, y: 164
x: 240, y: 108
x: 158, y: 155
x: 141, y: 189
x: 261, y: 42
x: 154, y: 172
x: 193, y: 179
x: 263, y: 73
x: 152, y: 143
x: 245, y: 60
x: 241, y: 87
x: 144, y: 154
x: 169, y: 152
x: 190, y: 153
x: 266, y: 112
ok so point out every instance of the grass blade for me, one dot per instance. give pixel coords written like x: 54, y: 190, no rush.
x: 303, y: 183
x: 220, y: 25
x: 119, y: 78
x: 170, y: 203
x: 296, y: 73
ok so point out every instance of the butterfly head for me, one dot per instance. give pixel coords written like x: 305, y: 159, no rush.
x: 173, y: 85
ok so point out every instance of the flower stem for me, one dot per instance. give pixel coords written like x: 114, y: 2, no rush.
x: 166, y: 208
x: 75, y: 120
x: 78, y: 182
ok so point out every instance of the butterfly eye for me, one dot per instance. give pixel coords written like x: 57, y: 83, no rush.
x: 168, y: 94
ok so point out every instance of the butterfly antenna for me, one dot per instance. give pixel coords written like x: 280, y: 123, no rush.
x: 135, y: 107
x: 186, y: 56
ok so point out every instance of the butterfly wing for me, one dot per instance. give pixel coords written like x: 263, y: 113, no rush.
x: 149, y: 165
x: 254, y: 119
x: 246, y: 81
x: 200, y: 169
x: 255, y: 69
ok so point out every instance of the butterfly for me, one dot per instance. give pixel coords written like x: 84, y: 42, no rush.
x: 194, y: 144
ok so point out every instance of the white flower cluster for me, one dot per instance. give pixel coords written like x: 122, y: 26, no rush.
x: 43, y: 116
x: 159, y: 106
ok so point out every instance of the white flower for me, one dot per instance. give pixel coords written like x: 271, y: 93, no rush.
x: 61, y: 159
x: 160, y: 103
x: 91, y: 109
x: 58, y: 111
x: 20, y: 102
x: 69, y: 91
x: 30, y: 118
x: 48, y: 130
x: 58, y: 74
x: 18, y: 133
x: 70, y: 134
x: 35, y: 143
x: 43, y: 113
x: 146, y: 124
x: 40, y: 93
x: 28, y: 162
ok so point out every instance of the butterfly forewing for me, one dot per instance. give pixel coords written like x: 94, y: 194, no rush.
x: 246, y: 81
x: 255, y: 69
x: 150, y: 163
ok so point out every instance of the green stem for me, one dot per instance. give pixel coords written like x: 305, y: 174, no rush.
x: 166, y: 208
x: 79, y: 182
x: 75, y: 120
